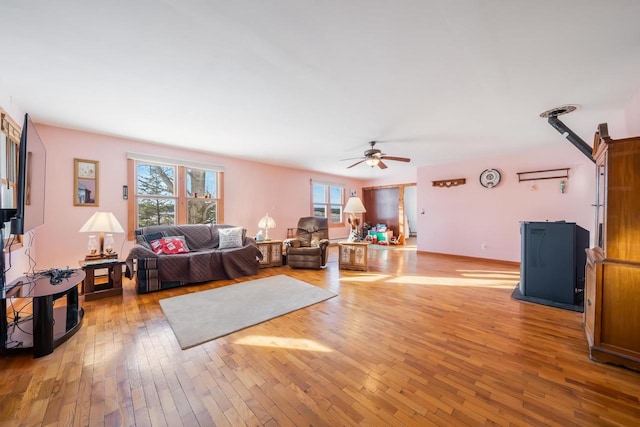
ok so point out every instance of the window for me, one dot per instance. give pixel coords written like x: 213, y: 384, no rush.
x: 9, y: 142
x: 202, y: 196
x: 166, y: 194
x: 328, y: 201
x: 156, y: 195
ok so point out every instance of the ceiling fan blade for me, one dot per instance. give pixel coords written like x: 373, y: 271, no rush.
x: 381, y: 165
x: 355, y: 164
x: 352, y: 158
x: 399, y: 159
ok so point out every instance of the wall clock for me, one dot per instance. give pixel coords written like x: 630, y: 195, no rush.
x: 489, y: 178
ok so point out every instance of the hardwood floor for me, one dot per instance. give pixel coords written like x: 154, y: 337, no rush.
x: 419, y: 339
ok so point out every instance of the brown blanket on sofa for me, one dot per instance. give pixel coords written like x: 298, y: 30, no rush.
x: 204, y: 262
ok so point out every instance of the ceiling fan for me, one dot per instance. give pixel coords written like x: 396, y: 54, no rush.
x: 373, y: 157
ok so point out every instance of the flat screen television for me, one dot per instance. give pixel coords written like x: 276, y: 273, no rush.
x: 30, y: 194
x: 28, y: 210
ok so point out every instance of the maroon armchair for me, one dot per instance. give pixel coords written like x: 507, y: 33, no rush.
x: 308, y: 249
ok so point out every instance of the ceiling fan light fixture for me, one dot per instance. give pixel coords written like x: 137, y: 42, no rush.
x: 374, y: 157
x: 372, y: 161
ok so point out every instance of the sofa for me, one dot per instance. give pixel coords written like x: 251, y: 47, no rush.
x: 176, y: 255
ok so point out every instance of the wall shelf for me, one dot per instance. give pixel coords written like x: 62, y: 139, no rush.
x: 449, y: 182
x: 543, y: 174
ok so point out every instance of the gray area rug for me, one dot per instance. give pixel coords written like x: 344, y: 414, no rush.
x: 203, y: 316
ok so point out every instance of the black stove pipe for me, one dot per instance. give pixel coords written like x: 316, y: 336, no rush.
x: 572, y: 137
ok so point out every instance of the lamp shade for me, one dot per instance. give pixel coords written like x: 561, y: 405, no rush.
x: 266, y: 222
x: 354, y: 205
x: 102, y: 222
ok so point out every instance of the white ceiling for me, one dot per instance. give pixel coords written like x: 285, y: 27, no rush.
x: 306, y: 83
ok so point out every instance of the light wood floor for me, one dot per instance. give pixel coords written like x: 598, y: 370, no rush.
x: 417, y: 340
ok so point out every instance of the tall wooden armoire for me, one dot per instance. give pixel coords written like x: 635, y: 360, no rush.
x: 612, y: 290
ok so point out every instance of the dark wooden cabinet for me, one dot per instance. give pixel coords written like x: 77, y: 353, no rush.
x: 612, y: 290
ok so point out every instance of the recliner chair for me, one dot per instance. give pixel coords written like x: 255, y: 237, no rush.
x: 308, y: 249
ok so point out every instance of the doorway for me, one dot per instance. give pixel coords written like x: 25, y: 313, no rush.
x: 411, y: 210
x: 392, y: 205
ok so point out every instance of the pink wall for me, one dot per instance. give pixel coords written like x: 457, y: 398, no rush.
x: 251, y: 190
x: 391, y: 176
x: 459, y: 220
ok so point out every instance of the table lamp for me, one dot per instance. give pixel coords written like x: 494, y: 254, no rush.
x: 266, y: 222
x: 101, y: 222
x: 354, y: 206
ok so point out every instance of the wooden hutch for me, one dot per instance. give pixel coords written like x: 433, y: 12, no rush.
x: 612, y: 289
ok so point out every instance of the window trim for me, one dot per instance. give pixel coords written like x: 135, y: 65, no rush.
x: 180, y: 196
x: 12, y: 131
x: 328, y: 203
x: 174, y: 162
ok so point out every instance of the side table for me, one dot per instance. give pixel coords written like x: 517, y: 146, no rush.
x: 113, y: 284
x: 353, y: 256
x: 49, y: 326
x: 271, y: 253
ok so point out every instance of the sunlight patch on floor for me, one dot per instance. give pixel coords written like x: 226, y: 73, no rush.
x: 455, y: 281
x: 365, y: 277
x: 411, y: 248
x: 283, y: 342
x: 485, y: 274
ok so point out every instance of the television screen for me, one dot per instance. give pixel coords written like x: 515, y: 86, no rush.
x: 32, y: 162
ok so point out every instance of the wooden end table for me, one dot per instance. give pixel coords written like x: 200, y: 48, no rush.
x: 353, y: 256
x: 112, y: 286
x: 271, y: 253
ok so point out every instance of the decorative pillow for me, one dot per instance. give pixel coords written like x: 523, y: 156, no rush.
x: 170, y: 245
x: 146, y: 239
x: 230, y: 237
x: 215, y: 233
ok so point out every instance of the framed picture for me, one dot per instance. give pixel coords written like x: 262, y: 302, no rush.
x: 85, y: 182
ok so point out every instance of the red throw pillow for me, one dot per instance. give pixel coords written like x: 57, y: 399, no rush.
x: 169, y: 245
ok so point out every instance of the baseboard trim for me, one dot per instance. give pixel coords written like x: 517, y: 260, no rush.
x: 471, y: 258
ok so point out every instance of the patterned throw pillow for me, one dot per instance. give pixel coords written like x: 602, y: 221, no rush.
x: 146, y: 239
x: 170, y: 245
x: 230, y: 237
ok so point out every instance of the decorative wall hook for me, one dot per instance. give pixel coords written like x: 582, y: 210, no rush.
x: 449, y: 182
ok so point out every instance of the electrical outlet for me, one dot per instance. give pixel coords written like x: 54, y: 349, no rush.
x: 484, y: 246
